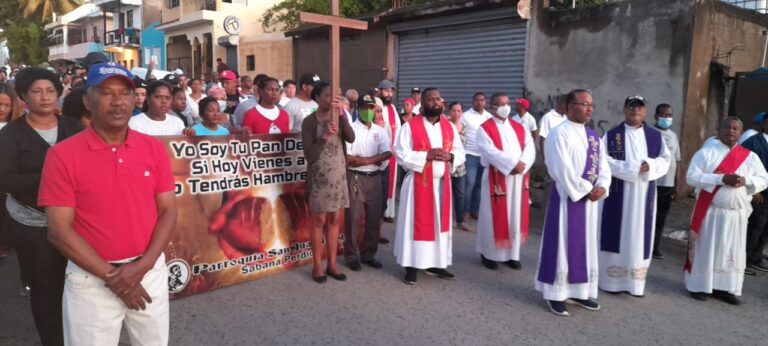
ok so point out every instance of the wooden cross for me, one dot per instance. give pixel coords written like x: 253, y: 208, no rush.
x: 336, y: 23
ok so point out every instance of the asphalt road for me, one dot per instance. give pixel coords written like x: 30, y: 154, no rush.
x: 480, y: 307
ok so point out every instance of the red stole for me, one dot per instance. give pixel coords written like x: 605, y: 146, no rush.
x: 259, y: 124
x: 729, y: 165
x: 423, y: 183
x: 497, y: 183
x: 393, y: 119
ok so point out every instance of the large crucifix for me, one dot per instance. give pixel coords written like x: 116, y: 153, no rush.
x: 336, y: 23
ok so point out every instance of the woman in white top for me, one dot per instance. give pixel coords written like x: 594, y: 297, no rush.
x: 156, y: 120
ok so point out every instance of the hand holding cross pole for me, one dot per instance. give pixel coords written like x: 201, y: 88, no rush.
x: 336, y: 23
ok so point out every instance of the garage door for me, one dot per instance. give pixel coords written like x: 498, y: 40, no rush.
x: 461, y: 59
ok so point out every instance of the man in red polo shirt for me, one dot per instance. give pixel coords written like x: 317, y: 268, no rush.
x: 108, y: 193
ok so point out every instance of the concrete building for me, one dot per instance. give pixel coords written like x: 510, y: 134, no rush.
x: 198, y: 32
x: 459, y: 46
x: 680, y: 52
x: 122, y: 37
x: 77, y: 33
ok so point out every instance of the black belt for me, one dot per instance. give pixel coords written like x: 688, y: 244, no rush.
x: 367, y: 174
x: 117, y: 265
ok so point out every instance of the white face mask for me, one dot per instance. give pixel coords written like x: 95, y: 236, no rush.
x: 504, y: 111
x: 222, y: 105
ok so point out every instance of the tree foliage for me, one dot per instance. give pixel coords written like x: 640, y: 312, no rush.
x: 27, y: 41
x: 44, y: 9
x: 285, y: 14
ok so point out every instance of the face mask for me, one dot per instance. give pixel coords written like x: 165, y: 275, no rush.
x: 366, y: 115
x: 222, y: 105
x: 664, y: 123
x: 504, y: 111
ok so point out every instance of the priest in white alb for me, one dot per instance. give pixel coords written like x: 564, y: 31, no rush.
x: 577, y: 164
x: 507, y: 151
x: 425, y: 147
x: 726, y: 177
x: 637, y: 156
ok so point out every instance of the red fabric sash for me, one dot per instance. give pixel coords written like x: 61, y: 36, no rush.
x: 392, y: 161
x: 497, y: 184
x: 423, y: 183
x: 729, y: 165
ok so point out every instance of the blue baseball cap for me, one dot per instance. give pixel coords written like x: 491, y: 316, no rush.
x: 100, y: 72
x: 759, y: 118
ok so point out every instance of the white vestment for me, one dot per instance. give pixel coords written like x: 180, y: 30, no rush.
x: 503, y: 161
x: 566, y: 152
x: 423, y: 254
x: 391, y: 207
x: 718, y: 252
x: 627, y: 270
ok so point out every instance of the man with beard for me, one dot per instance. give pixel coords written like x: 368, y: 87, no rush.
x: 392, y: 125
x: 115, y: 252
x: 428, y: 147
x: 577, y: 163
x: 507, y: 151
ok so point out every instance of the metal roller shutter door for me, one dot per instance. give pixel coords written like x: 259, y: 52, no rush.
x: 463, y: 59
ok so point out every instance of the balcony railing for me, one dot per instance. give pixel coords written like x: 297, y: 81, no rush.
x: 78, y: 38
x: 123, y: 37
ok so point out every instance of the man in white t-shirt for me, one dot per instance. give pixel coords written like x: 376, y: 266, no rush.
x: 526, y: 119
x: 302, y: 105
x: 416, y: 95
x: 665, y: 186
x: 472, y: 119
x: 550, y: 120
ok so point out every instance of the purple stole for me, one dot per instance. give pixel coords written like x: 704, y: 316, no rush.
x: 610, y: 232
x: 576, y: 249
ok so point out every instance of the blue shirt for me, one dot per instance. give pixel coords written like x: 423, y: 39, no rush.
x: 201, y: 130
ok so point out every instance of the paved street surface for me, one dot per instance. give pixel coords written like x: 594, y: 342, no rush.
x: 481, y: 307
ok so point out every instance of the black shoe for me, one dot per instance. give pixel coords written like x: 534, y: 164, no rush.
x: 338, y: 276
x: 354, y: 265
x: 585, y: 303
x: 700, y: 296
x: 389, y: 220
x: 558, y: 308
x: 441, y: 273
x: 760, y: 265
x: 410, y: 275
x: 726, y: 297
x: 749, y: 271
x: 657, y: 254
x: 373, y: 263
x: 492, y: 265
x: 383, y: 240
x: 320, y: 279
x: 513, y: 264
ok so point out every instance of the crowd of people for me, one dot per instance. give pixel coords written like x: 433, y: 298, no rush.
x: 425, y: 164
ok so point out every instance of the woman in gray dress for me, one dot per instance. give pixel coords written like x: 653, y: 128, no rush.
x: 327, y: 189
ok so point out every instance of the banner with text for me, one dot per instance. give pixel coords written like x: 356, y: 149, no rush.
x: 242, y: 212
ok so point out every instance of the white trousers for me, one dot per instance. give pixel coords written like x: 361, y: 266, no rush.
x: 94, y: 315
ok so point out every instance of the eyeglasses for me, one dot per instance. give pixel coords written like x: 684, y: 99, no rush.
x: 584, y: 104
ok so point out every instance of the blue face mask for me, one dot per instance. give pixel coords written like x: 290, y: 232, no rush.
x: 664, y: 123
